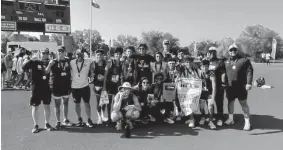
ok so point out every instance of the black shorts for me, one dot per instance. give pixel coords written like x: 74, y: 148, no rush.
x: 112, y: 88
x: 82, y: 93
x: 236, y: 92
x: 40, y: 94
x: 97, y: 91
x: 60, y: 90
x: 205, y: 95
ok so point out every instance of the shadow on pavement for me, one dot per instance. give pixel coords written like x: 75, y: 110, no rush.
x: 261, y: 122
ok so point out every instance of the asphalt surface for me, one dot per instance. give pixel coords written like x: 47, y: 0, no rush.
x: 267, y: 119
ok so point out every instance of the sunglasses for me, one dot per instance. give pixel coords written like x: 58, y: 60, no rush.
x: 166, y: 43
x: 233, y: 50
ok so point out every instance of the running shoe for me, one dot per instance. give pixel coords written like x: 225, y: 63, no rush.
x: 219, y: 123
x: 48, y: 127
x: 35, y: 129
x: 168, y: 120
x: 229, y: 121
x: 58, y: 126
x: 202, y: 121
x: 89, y: 123
x: 80, y: 122
x: 211, y: 125
x: 67, y: 123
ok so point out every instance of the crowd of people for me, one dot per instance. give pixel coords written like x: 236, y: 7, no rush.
x: 134, y: 82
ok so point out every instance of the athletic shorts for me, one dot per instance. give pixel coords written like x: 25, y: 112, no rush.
x: 40, y: 94
x: 236, y: 92
x: 61, y: 91
x: 112, y: 88
x: 82, y: 93
x: 205, y: 95
x: 97, y: 89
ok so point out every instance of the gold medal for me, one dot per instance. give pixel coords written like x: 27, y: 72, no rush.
x: 234, y: 67
x: 44, y: 77
x: 63, y: 74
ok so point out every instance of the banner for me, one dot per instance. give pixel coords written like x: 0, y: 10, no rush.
x: 169, y: 92
x: 274, y: 45
x: 103, y: 98
x: 189, y: 91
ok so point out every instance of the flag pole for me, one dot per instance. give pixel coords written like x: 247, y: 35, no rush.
x: 90, y: 32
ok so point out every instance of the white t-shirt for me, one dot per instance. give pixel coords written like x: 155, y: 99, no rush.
x: 267, y: 56
x: 80, y: 80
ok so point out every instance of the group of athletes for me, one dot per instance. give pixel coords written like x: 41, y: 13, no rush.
x: 129, y: 77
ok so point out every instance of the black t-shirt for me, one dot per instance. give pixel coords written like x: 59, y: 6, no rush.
x: 39, y: 77
x: 143, y: 67
x: 218, y: 68
x: 61, y: 72
x: 114, y: 73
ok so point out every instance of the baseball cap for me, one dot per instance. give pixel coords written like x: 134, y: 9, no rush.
x: 45, y: 51
x: 100, y: 51
x: 212, y: 48
x: 61, y: 49
x: 233, y: 46
x: 166, y: 42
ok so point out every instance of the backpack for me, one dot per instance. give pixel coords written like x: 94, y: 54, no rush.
x: 260, y: 82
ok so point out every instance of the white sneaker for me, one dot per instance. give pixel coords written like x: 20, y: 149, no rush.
x: 211, y: 125
x: 219, y: 123
x: 247, y: 127
x: 99, y: 121
x: 119, y: 126
x: 104, y: 119
x: 229, y: 121
x: 178, y: 118
x: 151, y: 118
x: 192, y: 123
x: 168, y: 120
x: 202, y: 121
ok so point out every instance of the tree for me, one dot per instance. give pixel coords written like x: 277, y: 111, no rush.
x: 82, y: 39
x: 154, y: 40
x: 5, y: 38
x: 257, y: 39
x: 125, y: 40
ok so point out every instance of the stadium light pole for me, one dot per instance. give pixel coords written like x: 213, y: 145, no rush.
x: 90, y: 32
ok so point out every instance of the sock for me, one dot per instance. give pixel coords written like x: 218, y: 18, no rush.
x: 231, y: 116
x: 247, y: 120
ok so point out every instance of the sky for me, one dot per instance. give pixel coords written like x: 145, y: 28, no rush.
x: 188, y: 20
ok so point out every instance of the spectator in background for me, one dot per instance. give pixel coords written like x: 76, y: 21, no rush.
x: 267, y: 58
x: 19, y: 70
x: 3, y: 71
x: 8, y: 61
x: 262, y: 60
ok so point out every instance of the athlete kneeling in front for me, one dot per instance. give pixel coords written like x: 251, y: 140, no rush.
x: 126, y: 105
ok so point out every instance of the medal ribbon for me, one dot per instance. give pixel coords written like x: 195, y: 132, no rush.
x: 79, y: 69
